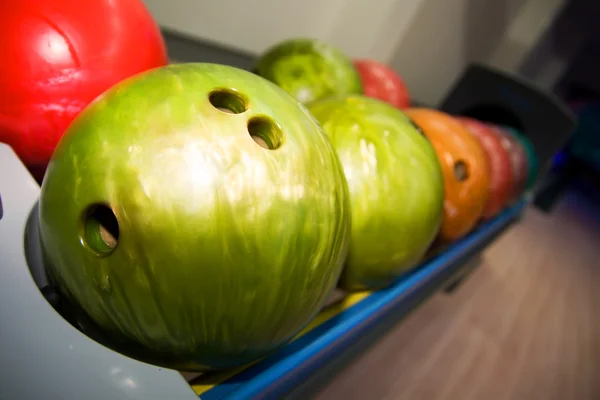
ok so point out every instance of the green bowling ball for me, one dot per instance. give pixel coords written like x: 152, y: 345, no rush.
x: 396, y: 188
x: 309, y: 69
x: 532, y: 159
x: 198, y: 213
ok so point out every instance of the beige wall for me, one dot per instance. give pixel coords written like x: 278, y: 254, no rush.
x: 355, y: 26
x: 446, y: 35
x: 429, y: 42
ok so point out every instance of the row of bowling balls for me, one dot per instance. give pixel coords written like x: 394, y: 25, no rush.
x: 494, y: 164
x: 200, y: 216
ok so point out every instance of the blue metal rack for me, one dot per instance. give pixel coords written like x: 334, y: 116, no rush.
x: 343, y: 324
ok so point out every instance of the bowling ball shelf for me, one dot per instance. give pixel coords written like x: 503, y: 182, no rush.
x: 344, y: 325
x: 341, y: 326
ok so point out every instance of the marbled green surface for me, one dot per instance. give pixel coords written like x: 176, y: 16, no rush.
x: 396, y: 187
x: 309, y: 69
x: 226, y: 249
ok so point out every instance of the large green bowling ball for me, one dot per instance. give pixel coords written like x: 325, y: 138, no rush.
x: 309, y: 69
x: 396, y: 187
x: 175, y: 231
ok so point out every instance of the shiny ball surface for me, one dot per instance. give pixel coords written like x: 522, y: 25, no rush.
x: 198, y: 212
x: 500, y: 168
x: 396, y: 187
x: 309, y: 69
x: 58, y: 55
x: 532, y: 158
x: 381, y: 82
x: 518, y: 160
x: 465, y: 168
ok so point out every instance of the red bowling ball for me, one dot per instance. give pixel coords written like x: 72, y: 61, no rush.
x: 58, y: 55
x: 383, y: 83
x: 518, y: 159
x: 500, y: 167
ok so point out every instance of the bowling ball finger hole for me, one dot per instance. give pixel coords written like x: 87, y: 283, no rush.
x: 297, y: 72
x: 100, y: 230
x: 228, y: 101
x: 461, y: 172
x: 265, y: 132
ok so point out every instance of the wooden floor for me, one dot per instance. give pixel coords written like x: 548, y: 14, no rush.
x: 526, y: 325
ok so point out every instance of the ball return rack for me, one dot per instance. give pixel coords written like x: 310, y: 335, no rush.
x: 45, y: 356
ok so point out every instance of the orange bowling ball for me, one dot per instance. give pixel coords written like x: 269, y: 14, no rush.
x: 464, y: 166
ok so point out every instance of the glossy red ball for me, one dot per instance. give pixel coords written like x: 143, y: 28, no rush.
x: 500, y: 167
x: 57, y: 56
x: 518, y: 159
x: 383, y: 83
